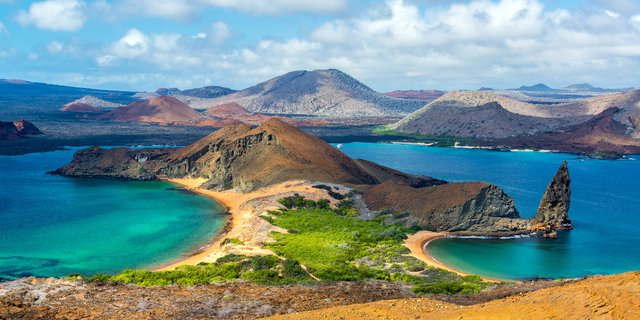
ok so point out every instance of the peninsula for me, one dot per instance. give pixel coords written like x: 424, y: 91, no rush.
x: 243, y: 159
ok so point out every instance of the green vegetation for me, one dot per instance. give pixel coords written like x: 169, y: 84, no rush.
x: 258, y: 269
x: 334, y: 246
x: 231, y: 240
x: 606, y: 156
x: 442, y: 141
x: 298, y: 201
x: 328, y: 243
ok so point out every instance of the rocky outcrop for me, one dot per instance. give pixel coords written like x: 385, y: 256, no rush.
x: 554, y: 207
x: 602, y: 135
x: 17, y: 130
x: 471, y: 207
x: 416, y: 94
x: 635, y: 125
x: 26, y: 128
x: 490, y: 120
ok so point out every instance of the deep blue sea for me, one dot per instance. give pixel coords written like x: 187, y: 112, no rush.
x: 605, y: 209
x: 55, y: 226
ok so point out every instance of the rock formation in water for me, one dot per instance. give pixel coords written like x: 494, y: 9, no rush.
x: 554, y: 207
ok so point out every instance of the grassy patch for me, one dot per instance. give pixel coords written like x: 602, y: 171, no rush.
x: 338, y: 247
x: 231, y: 241
x: 258, y: 269
x: 331, y: 243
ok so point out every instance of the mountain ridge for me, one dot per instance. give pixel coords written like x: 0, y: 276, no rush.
x: 329, y: 93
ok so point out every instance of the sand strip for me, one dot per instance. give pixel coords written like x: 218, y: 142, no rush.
x: 417, y: 243
x: 244, y: 222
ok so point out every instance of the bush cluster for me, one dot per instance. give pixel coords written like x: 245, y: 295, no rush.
x: 331, y: 243
x: 297, y: 202
x: 258, y: 269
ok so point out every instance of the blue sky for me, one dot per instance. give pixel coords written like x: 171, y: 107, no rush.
x: 393, y: 44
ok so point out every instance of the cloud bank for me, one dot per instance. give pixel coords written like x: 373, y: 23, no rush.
x: 388, y: 45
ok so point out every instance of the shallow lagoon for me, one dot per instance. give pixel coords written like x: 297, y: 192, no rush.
x: 55, y: 226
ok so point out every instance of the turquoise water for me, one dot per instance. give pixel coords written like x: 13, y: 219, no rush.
x: 54, y: 226
x: 605, y: 209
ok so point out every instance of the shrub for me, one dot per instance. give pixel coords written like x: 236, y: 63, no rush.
x: 231, y: 240
x: 323, y: 204
x: 336, y: 195
x: 448, y: 288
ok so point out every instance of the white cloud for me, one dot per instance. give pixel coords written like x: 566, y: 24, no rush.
x: 186, y: 9
x: 55, y: 47
x: 3, y: 29
x: 133, y: 44
x: 166, y: 50
x: 612, y: 14
x: 7, y: 53
x: 219, y: 32
x: 171, y: 9
x: 398, y: 45
x: 635, y: 21
x: 199, y: 35
x: 463, y: 45
x: 271, y: 7
x: 54, y: 15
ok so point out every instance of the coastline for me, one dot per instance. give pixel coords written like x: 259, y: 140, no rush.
x: 243, y: 221
x: 196, y: 256
x: 417, y: 244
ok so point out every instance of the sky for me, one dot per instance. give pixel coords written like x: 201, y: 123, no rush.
x: 388, y: 45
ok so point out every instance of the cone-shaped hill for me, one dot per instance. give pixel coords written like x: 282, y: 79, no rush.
x: 163, y: 109
x: 240, y: 156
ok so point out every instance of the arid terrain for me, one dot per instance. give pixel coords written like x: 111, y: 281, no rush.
x: 601, y: 297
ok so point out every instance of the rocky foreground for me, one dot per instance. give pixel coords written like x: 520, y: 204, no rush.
x: 243, y: 158
x: 602, y: 297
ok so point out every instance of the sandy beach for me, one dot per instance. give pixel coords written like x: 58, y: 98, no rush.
x: 244, y: 222
x: 419, y: 240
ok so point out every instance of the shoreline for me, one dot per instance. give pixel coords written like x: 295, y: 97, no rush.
x: 243, y: 221
x: 238, y: 222
x: 417, y: 244
x: 198, y: 255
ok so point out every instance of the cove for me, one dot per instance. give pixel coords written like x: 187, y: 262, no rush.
x: 605, y: 209
x: 56, y: 226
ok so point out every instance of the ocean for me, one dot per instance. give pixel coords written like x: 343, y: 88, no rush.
x: 56, y: 226
x: 605, y: 209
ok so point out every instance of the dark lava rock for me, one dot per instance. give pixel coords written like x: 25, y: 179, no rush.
x: 554, y: 206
